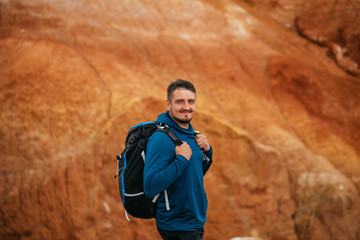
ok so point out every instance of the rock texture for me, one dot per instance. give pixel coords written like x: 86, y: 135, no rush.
x: 333, y: 25
x: 282, y: 116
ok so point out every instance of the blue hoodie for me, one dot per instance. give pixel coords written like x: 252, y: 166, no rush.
x: 182, y: 179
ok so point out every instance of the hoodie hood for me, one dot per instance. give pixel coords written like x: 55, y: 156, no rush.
x: 167, y: 119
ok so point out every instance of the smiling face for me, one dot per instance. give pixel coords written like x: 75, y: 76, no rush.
x: 182, y: 106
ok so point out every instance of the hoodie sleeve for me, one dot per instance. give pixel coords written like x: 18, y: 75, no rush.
x: 162, y: 167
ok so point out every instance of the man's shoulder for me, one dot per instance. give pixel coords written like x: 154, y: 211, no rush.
x: 160, y: 142
x: 160, y: 136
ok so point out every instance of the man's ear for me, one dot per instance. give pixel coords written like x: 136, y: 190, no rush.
x: 167, y: 104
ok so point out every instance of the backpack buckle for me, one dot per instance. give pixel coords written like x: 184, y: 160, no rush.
x: 161, y: 125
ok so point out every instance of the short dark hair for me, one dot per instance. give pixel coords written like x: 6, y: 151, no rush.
x: 179, y: 83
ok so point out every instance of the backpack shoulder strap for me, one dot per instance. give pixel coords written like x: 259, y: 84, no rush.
x: 166, y: 129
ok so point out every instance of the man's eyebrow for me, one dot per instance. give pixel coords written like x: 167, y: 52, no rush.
x: 183, y: 99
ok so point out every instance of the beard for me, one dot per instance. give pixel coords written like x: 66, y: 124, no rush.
x: 178, y: 119
x: 182, y: 121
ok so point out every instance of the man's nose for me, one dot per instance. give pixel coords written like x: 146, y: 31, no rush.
x: 187, y: 106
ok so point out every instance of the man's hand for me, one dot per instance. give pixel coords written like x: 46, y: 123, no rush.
x: 184, y: 149
x: 202, y: 142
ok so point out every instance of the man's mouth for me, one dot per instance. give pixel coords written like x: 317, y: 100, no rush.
x: 185, y: 111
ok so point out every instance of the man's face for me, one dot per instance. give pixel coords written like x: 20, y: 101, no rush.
x: 182, y: 106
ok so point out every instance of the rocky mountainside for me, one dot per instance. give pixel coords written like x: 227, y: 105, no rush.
x: 278, y: 98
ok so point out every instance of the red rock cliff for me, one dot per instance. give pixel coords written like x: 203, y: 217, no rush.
x: 282, y: 116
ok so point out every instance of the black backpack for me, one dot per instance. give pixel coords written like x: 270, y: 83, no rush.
x: 130, y: 167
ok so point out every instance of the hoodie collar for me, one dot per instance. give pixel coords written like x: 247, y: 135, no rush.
x: 167, y: 119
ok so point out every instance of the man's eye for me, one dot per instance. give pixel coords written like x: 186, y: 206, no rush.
x: 179, y: 101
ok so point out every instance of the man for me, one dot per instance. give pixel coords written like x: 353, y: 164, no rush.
x: 176, y: 172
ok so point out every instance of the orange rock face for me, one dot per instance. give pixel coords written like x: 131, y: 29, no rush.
x: 282, y: 116
x: 333, y: 25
